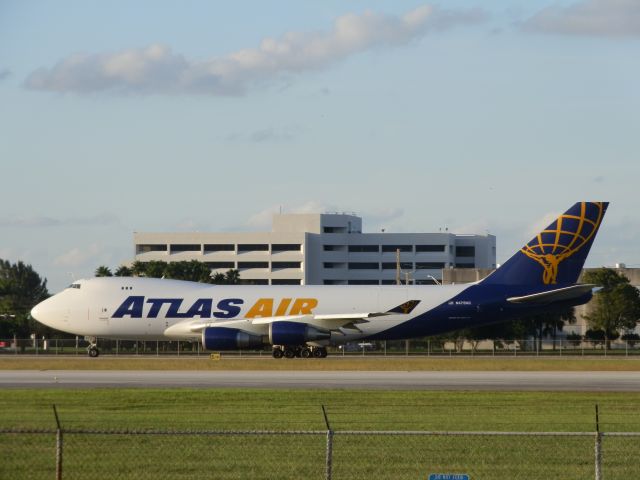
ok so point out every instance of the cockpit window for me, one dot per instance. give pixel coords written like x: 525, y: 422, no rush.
x: 74, y: 285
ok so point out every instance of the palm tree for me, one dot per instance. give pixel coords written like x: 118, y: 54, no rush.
x: 232, y: 277
x: 123, y: 271
x: 103, y: 271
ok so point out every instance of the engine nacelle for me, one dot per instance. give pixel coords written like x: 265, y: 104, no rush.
x: 221, y: 338
x: 294, y: 333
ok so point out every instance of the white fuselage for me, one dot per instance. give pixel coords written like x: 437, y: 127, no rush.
x: 144, y: 309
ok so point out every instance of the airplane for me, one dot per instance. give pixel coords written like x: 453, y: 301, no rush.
x: 301, y: 321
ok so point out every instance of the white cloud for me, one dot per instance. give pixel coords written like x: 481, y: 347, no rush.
x: 262, y: 219
x: 77, y: 257
x: 478, y: 227
x: 377, y: 219
x: 589, y: 17
x: 268, y: 134
x: 156, y: 69
x: 311, y: 207
x: 102, y: 219
x: 542, y: 223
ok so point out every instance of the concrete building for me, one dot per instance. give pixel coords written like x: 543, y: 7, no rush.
x: 323, y: 249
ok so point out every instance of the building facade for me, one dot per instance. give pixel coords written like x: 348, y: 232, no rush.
x: 323, y: 249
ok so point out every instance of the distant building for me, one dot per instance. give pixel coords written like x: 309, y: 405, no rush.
x: 323, y: 249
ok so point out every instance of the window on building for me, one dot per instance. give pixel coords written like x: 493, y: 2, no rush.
x: 393, y: 265
x: 219, y: 247
x: 276, y: 265
x: 428, y: 281
x: 364, y: 266
x: 394, y: 248
x: 151, y: 247
x: 334, y: 282
x: 215, y: 265
x: 466, y: 251
x: 362, y: 282
x: 253, y: 247
x: 364, y: 248
x: 429, y: 265
x: 285, y: 247
x: 285, y: 281
x: 334, y: 229
x: 333, y: 248
x: 465, y: 265
x: 245, y: 265
x: 184, y: 247
x: 333, y: 265
x: 388, y: 282
x: 249, y: 281
x: 430, y: 248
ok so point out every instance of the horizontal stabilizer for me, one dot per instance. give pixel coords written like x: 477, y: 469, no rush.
x: 406, y: 308
x: 558, y: 295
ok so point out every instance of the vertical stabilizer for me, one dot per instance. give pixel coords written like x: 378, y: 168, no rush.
x: 557, y: 254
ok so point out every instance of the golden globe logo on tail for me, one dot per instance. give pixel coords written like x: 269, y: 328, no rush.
x: 563, y: 238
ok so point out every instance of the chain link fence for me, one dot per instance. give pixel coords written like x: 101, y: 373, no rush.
x: 97, y: 454
x: 419, y: 347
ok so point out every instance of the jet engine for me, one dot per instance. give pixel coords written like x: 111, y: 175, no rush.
x: 221, y: 338
x: 294, y: 333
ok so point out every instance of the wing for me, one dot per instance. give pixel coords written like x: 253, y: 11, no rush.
x: 331, y: 322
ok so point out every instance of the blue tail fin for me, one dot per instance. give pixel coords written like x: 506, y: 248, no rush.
x: 556, y: 255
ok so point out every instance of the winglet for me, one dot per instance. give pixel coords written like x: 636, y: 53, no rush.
x: 405, y: 308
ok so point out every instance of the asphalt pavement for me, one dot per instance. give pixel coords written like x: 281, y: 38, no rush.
x: 457, y: 380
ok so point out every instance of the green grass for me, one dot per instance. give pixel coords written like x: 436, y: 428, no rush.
x: 234, y: 456
x: 250, y: 409
x: 347, y: 363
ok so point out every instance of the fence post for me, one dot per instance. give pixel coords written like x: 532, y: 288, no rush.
x: 329, y: 453
x: 58, y: 445
x: 598, y: 449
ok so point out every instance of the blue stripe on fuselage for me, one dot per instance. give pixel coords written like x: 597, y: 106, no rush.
x: 475, y: 306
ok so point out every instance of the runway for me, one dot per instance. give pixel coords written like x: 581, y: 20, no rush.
x: 503, y: 381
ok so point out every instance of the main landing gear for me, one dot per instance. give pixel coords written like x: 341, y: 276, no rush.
x: 301, y: 351
x: 92, y: 349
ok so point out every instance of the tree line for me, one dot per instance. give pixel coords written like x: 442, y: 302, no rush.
x: 193, y: 271
x: 21, y: 288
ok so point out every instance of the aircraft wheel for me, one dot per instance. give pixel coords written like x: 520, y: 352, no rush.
x: 93, y: 352
x: 277, y: 353
x: 317, y: 352
x: 289, y: 352
x: 305, y: 353
x: 323, y: 352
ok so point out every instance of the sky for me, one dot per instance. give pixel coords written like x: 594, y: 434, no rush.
x: 476, y: 116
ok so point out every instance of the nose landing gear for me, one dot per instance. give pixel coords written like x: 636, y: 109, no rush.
x: 92, y: 349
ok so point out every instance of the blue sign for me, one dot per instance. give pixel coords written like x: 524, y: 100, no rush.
x: 448, y: 476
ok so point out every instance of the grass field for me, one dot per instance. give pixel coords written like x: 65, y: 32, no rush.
x: 250, y: 409
x: 331, y: 363
x: 238, y: 456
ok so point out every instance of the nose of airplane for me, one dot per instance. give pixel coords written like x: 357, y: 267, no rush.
x: 46, y: 313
